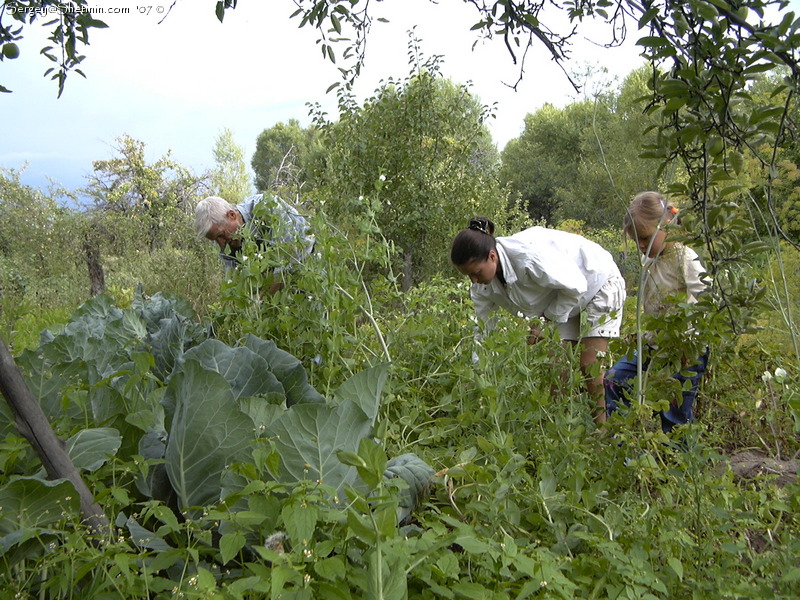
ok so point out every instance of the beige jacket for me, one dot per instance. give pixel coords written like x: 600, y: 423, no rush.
x: 677, y: 270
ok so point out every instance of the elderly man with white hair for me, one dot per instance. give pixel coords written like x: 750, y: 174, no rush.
x: 266, y: 218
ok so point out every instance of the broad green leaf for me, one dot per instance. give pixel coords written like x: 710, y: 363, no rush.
x: 418, y: 476
x: 262, y: 411
x: 287, y: 369
x: 247, y: 373
x: 30, y: 502
x: 676, y: 566
x: 365, y: 389
x: 309, y: 436
x: 171, y: 326
x: 653, y: 41
x: 90, y: 449
x: 473, y: 591
x: 142, y: 537
x: 107, y: 404
x: 332, y: 569
x: 385, y: 580
x: 300, y: 521
x: 208, y: 433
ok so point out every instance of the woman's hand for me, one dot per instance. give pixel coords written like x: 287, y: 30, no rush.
x: 535, y: 332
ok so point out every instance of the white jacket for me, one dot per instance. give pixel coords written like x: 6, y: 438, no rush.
x: 548, y: 273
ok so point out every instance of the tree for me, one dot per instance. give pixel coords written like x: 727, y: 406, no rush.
x: 419, y: 154
x: 544, y: 157
x: 581, y: 162
x: 39, y: 259
x: 229, y: 178
x: 158, y: 197
x: 287, y: 155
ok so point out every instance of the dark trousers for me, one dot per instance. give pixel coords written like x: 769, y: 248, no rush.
x: 617, y: 382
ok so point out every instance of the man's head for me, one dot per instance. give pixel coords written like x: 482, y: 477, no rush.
x: 217, y: 220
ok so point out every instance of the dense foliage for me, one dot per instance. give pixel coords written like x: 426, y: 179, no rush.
x: 529, y: 498
x: 241, y: 448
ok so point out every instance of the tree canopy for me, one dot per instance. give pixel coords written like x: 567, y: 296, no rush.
x: 419, y: 150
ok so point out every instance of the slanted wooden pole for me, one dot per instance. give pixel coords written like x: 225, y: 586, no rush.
x: 34, y: 426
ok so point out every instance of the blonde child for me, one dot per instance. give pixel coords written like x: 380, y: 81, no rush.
x: 669, y: 268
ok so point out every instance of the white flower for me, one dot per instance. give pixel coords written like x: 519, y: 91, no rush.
x: 382, y: 177
x: 780, y: 375
x: 767, y: 376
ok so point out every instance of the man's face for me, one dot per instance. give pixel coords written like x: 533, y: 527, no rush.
x: 223, y: 233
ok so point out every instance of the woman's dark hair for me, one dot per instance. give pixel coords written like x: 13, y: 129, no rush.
x: 473, y: 243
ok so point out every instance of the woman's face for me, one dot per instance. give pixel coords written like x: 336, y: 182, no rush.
x: 643, y: 238
x: 480, y: 271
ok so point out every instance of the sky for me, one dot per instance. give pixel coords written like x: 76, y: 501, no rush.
x: 175, y: 83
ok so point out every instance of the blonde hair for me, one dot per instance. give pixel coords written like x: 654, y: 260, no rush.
x: 646, y: 212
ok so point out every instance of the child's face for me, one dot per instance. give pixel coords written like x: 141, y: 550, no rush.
x: 643, y: 237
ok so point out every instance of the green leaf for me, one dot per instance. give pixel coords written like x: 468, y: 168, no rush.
x: 418, y: 476
x: 287, y: 369
x: 208, y: 433
x: 309, y: 436
x: 30, y: 502
x: 385, y: 580
x: 247, y: 373
x: 652, y: 41
x: 365, y: 389
x: 332, y: 569
x: 362, y: 527
x: 230, y: 544
x: 300, y: 521
x: 142, y: 537
x: 337, y: 25
x: 676, y: 566
x: 372, y: 470
x: 90, y: 449
x: 473, y: 591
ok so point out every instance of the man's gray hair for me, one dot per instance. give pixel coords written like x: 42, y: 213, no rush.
x: 209, y: 212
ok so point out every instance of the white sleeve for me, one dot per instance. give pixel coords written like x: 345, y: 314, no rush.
x: 692, y: 273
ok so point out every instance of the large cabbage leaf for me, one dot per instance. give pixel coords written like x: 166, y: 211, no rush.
x: 365, y: 389
x: 308, y: 436
x: 247, y: 373
x: 172, y: 328
x: 288, y: 369
x: 29, y: 503
x: 208, y: 432
x: 90, y: 449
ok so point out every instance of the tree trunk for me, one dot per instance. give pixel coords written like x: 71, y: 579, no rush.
x: 93, y: 261
x: 408, y: 271
x: 34, y: 426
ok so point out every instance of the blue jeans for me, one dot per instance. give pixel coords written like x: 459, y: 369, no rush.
x: 617, y: 382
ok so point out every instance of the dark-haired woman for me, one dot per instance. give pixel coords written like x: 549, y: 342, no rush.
x: 546, y: 275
